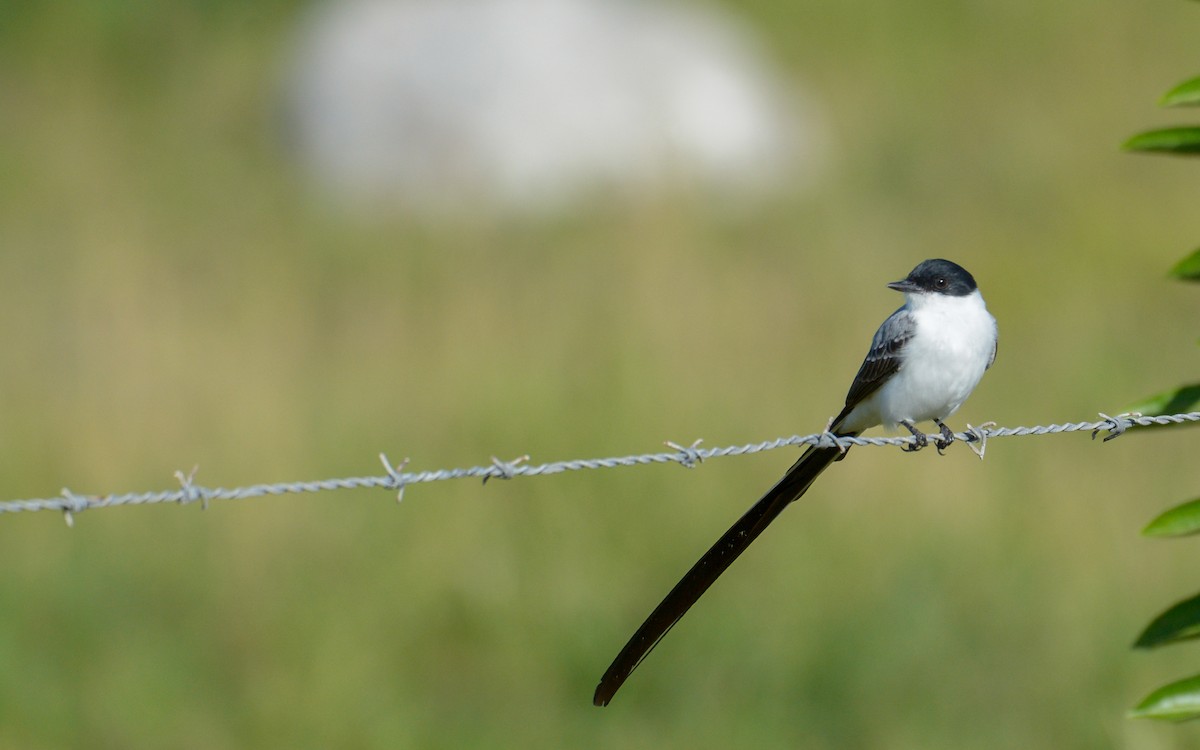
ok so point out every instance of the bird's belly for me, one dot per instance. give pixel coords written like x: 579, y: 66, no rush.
x: 934, y: 380
x: 925, y: 394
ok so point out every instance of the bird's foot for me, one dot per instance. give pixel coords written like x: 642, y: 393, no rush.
x: 947, y: 437
x: 922, y: 439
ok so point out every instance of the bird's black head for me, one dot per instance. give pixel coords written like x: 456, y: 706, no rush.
x: 937, y: 276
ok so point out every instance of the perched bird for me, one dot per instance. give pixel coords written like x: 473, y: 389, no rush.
x: 924, y: 361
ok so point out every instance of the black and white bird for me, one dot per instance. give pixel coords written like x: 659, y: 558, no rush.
x: 924, y: 361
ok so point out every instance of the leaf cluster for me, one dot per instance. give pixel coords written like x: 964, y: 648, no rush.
x: 1180, y: 700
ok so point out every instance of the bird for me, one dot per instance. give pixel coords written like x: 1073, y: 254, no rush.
x: 924, y: 361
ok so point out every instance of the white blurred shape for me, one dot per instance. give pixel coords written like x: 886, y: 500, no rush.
x: 530, y: 105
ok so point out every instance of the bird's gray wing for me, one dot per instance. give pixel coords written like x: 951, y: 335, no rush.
x: 883, y: 360
x: 995, y: 348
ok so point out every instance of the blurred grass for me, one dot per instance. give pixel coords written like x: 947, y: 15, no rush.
x: 171, y: 295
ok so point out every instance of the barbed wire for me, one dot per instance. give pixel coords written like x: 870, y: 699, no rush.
x: 396, y: 479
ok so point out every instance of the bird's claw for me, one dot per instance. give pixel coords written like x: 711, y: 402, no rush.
x: 945, y: 439
x: 921, y: 439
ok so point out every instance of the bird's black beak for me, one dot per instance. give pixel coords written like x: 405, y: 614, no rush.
x: 904, y: 285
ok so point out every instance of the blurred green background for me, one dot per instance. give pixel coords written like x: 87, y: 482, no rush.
x: 172, y: 295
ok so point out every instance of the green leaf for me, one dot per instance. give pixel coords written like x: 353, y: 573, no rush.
x: 1179, y: 623
x: 1186, y: 94
x: 1178, y: 701
x: 1177, y: 401
x: 1181, y: 520
x: 1188, y: 268
x: 1181, y: 140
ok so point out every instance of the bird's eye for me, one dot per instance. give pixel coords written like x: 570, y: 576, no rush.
x: 940, y: 283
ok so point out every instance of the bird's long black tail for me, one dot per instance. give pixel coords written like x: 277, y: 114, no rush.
x: 709, y: 567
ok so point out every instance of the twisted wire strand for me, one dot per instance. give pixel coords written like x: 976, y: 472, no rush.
x: 396, y: 479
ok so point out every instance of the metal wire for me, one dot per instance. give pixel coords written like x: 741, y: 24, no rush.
x: 396, y: 479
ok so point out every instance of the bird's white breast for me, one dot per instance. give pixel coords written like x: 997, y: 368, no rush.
x: 943, y: 362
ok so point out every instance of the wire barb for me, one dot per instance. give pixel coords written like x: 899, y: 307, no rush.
x: 827, y: 438
x: 190, y: 493
x: 396, y: 479
x: 979, y: 434
x: 505, y: 469
x: 690, y: 456
x: 1116, y: 426
x: 72, y: 504
x: 395, y: 474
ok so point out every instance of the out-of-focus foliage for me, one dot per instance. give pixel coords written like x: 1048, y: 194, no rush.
x: 1182, y: 520
x: 1188, y: 269
x: 1186, y: 94
x: 1182, y: 140
x: 1179, y: 623
x: 1173, y: 401
x: 1179, y: 700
